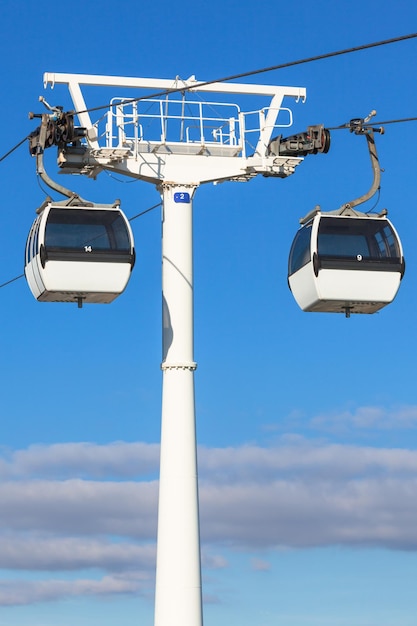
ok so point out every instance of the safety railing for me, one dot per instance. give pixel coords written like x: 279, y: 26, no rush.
x: 130, y: 123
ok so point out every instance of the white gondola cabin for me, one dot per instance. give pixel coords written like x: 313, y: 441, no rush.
x: 345, y: 262
x: 79, y: 252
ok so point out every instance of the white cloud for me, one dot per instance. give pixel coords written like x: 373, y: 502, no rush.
x: 18, y: 593
x: 299, y: 513
x: 45, y: 553
x: 50, y: 553
x: 303, y: 458
x: 368, y: 417
x: 73, y: 460
x: 80, y: 507
x: 296, y: 494
x: 139, y: 461
x: 260, y: 565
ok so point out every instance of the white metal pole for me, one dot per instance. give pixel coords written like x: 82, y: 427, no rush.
x: 178, y: 593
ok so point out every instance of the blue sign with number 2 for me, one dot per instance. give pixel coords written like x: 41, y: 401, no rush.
x: 181, y: 196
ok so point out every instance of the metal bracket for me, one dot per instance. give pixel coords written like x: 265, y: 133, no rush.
x: 41, y: 140
x: 313, y: 141
x: 360, y: 126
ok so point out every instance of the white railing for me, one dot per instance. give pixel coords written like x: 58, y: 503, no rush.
x: 170, y: 121
x: 128, y: 123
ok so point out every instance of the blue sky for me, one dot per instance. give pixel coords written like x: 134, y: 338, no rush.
x: 306, y: 422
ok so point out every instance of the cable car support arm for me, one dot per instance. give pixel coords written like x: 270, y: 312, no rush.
x: 54, y: 126
x: 359, y: 127
x: 40, y: 167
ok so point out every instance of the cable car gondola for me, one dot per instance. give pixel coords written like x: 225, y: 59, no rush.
x: 79, y: 252
x: 345, y: 262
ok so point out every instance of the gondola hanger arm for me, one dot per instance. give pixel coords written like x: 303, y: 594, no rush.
x: 360, y: 126
x: 40, y: 166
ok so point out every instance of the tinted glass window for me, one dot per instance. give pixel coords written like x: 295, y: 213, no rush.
x: 32, y: 241
x: 78, y: 229
x: 339, y: 244
x: 371, y: 238
x: 35, y: 239
x: 28, y: 246
x: 300, y: 250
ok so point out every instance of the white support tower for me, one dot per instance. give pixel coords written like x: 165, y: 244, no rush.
x: 178, y: 140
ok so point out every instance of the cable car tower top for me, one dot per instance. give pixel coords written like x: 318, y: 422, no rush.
x: 169, y: 138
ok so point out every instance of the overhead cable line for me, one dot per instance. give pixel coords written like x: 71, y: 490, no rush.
x: 384, y: 123
x: 271, y: 68
x: 405, y: 119
x: 253, y: 73
x: 155, y: 206
x: 11, y: 280
x: 13, y: 149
